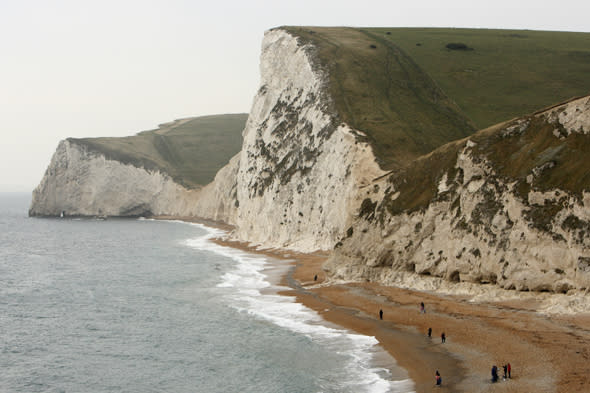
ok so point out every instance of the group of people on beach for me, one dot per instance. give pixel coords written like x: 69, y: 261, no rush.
x: 443, y: 338
x: 507, y: 372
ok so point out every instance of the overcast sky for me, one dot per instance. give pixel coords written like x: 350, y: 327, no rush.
x: 113, y: 68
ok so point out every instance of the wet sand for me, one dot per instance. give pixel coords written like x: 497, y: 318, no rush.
x: 547, y: 353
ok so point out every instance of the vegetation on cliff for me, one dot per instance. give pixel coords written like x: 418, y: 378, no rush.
x: 378, y: 89
x: 412, y: 90
x: 529, y: 151
x: 190, y: 150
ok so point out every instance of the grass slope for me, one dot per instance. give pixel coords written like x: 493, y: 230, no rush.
x: 562, y: 163
x: 380, y: 90
x: 190, y: 150
x: 411, y: 94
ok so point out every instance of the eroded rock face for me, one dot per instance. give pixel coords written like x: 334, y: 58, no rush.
x: 300, y: 171
x: 482, y: 225
x: 573, y: 117
x: 80, y: 182
x: 218, y: 200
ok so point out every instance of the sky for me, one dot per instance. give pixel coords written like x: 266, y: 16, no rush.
x: 113, y: 68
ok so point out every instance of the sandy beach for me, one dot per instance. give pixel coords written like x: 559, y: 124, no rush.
x: 546, y: 353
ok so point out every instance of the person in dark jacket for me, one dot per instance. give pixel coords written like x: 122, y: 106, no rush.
x: 494, y: 374
x: 438, y: 378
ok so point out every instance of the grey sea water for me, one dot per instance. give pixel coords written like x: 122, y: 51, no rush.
x: 151, y: 306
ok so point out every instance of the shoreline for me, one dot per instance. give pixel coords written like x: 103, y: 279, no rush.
x: 406, y: 347
x: 548, y: 353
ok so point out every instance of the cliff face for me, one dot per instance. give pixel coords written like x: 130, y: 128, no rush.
x: 299, y: 171
x: 508, y: 206
x: 81, y: 182
x: 218, y: 201
x: 157, y: 172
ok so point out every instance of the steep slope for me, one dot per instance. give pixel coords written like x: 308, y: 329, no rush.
x: 299, y: 168
x: 308, y: 149
x: 377, y: 88
x: 509, y: 206
x: 152, y: 173
x: 336, y: 106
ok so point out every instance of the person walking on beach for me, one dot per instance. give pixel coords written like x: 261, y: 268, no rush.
x: 438, y: 378
x: 509, y: 369
x: 494, y: 374
x: 505, y: 368
x: 429, y: 332
x: 422, y: 310
x: 443, y: 337
x: 381, y: 314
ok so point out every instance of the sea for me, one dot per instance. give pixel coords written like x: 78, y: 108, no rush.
x: 138, y: 305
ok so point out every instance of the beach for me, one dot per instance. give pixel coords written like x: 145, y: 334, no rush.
x: 547, y: 353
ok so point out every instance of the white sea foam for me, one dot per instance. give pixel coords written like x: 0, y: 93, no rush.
x: 245, y: 283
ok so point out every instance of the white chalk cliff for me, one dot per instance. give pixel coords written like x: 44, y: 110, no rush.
x: 300, y: 172
x: 480, y: 224
x: 82, y: 182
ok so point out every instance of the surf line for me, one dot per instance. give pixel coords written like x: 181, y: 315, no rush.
x: 248, y: 292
